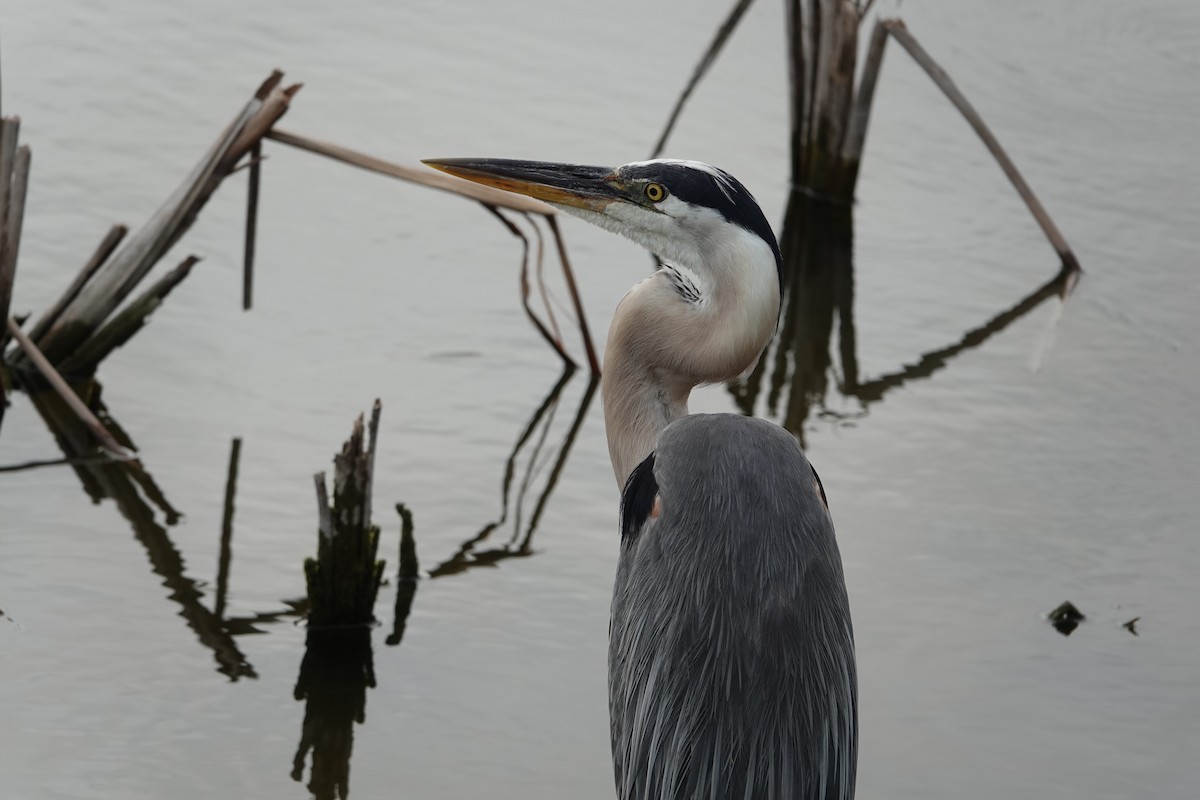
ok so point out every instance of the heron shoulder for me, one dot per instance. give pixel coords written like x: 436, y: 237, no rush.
x: 729, y: 596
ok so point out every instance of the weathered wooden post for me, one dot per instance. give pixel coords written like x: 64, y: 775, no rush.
x: 14, y: 178
x: 823, y: 43
x: 344, y: 578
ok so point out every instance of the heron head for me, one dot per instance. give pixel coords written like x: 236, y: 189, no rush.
x: 683, y: 211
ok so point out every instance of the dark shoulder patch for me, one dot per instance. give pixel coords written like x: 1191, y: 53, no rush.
x: 637, y: 499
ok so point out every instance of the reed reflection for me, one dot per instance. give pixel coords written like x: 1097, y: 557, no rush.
x: 798, y: 367
x: 140, y: 500
x: 337, y: 669
x: 518, y: 482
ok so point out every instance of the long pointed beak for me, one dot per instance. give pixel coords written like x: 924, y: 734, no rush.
x: 591, y: 188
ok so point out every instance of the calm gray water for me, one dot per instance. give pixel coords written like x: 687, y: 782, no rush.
x: 1055, y: 461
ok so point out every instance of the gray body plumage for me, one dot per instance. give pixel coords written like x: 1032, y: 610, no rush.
x: 731, y: 655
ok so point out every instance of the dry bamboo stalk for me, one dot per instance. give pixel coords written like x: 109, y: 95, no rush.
x: 898, y: 31
x: 103, y: 251
x: 434, y: 180
x: 55, y: 380
x: 706, y: 61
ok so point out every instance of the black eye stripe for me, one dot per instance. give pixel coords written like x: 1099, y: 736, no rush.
x: 724, y: 194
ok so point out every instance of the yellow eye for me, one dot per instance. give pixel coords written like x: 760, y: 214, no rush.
x: 655, y: 192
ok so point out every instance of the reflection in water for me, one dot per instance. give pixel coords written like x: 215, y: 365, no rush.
x: 817, y: 248
x: 337, y: 669
x: 407, y: 576
x: 338, y: 664
x: 140, y: 501
x: 519, y: 544
x: 818, y: 281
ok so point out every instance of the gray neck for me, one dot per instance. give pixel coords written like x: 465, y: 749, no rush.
x: 637, y: 407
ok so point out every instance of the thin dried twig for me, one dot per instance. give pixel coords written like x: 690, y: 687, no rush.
x: 55, y: 380
x: 900, y: 33
x: 541, y: 278
x: 533, y: 318
x: 425, y: 177
x: 569, y: 276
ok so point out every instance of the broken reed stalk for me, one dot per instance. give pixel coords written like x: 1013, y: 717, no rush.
x: 14, y: 179
x: 554, y: 341
x: 900, y: 33
x: 569, y: 276
x: 251, y: 225
x: 489, y: 197
x: 103, y: 251
x: 823, y: 42
x: 424, y: 177
x: 69, y: 397
x: 118, y: 330
x: 101, y: 295
x: 540, y: 261
x: 860, y: 116
x: 343, y: 580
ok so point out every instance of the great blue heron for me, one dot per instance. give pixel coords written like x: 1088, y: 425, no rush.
x: 731, y: 654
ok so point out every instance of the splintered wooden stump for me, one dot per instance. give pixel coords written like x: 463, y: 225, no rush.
x: 344, y: 578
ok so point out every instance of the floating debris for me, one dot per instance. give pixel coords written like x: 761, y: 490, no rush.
x: 1066, y: 618
x: 1131, y: 626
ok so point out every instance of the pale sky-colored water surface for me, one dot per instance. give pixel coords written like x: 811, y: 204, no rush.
x: 1056, y: 461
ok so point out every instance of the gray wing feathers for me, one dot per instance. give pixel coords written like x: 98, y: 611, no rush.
x: 731, y: 656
